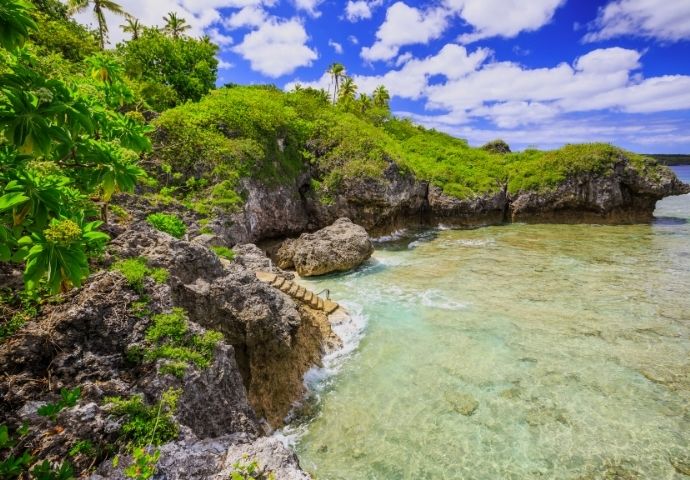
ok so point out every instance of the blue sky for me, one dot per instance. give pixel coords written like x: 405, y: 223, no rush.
x: 534, y: 72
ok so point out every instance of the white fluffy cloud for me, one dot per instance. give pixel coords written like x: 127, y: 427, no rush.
x: 309, y: 6
x: 338, y: 48
x: 200, y: 14
x: 249, y: 16
x: 511, y: 96
x: 277, y: 47
x: 405, y: 25
x: 645, y: 135
x: 667, y: 20
x: 219, y: 38
x: 356, y: 10
x: 503, y: 18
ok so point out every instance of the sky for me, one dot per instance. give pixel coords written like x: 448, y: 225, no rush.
x: 537, y: 73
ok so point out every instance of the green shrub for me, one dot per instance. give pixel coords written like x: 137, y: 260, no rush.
x: 169, y: 339
x: 135, y: 270
x: 246, y: 469
x: 223, y: 252
x: 496, y: 146
x: 147, y: 424
x: 168, y: 223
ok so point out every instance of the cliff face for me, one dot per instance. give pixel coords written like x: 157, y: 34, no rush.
x: 622, y: 195
x: 90, y: 340
x: 398, y: 199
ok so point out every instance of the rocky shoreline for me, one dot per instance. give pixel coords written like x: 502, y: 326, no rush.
x: 398, y: 200
x: 225, y: 409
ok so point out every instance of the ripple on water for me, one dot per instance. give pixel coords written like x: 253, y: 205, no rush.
x: 529, y: 351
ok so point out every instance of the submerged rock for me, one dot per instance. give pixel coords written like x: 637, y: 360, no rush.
x: 462, y: 403
x: 337, y: 248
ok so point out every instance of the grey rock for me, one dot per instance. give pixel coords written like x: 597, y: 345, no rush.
x: 337, y: 248
x: 271, y: 456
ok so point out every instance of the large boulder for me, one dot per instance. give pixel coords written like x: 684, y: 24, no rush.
x: 336, y: 248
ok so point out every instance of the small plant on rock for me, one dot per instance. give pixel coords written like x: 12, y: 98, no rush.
x: 169, y: 339
x: 143, y: 464
x: 168, y: 223
x: 68, y: 398
x: 246, y: 469
x: 135, y: 270
x: 223, y: 252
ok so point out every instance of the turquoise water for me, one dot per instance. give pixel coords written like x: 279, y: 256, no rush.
x: 513, y: 352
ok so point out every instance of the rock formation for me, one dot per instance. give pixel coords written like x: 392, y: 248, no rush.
x: 254, y: 379
x: 339, y: 247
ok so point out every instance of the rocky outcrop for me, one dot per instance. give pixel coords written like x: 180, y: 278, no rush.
x: 622, y: 195
x: 254, y: 379
x: 397, y: 199
x: 337, y: 248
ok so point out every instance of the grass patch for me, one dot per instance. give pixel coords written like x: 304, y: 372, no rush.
x: 223, y: 252
x: 147, y: 424
x: 168, y: 223
x: 169, y: 338
x: 135, y: 270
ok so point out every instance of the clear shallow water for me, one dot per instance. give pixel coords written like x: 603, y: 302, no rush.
x: 573, y: 340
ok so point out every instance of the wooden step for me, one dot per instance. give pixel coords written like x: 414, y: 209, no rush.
x: 293, y: 290
x: 300, y: 293
x: 278, y: 282
x: 329, y: 306
x: 319, y: 305
x: 308, y: 296
x: 287, y: 285
x: 266, y: 276
x: 314, y: 302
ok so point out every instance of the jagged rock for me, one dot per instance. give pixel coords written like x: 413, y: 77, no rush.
x: 271, y: 456
x: 253, y: 258
x: 257, y: 370
x: 489, y: 208
x: 337, y: 248
x: 622, y: 195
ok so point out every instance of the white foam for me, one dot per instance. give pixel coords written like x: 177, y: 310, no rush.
x: 396, y: 235
x: 349, y: 324
x: 436, y: 299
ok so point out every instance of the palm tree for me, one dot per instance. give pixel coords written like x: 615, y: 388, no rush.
x: 381, y: 96
x: 99, y: 9
x: 347, y: 90
x: 175, y: 25
x: 132, y: 26
x: 363, y: 102
x: 336, y: 71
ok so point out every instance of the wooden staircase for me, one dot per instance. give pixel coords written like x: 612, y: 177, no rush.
x: 298, y: 292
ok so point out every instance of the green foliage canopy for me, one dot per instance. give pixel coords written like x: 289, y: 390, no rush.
x: 171, y: 70
x: 59, y: 150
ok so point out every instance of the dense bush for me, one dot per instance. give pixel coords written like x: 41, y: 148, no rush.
x: 496, y: 146
x: 60, y: 149
x: 171, y: 69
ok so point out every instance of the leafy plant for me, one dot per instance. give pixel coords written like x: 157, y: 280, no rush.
x: 143, y: 464
x: 83, y: 447
x: 168, y: 223
x: 246, y: 469
x: 60, y: 149
x: 16, y: 465
x: 68, y: 398
x: 147, y: 424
